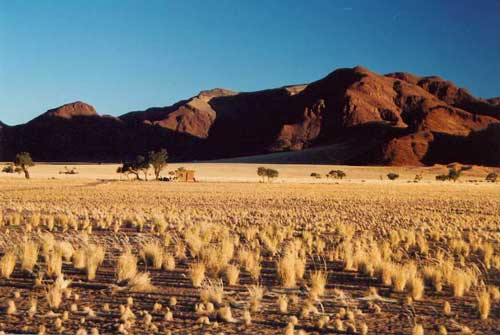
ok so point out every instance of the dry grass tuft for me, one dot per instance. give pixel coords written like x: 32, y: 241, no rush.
x: 232, y: 274
x: 197, y: 273
x: 256, y: 293
x: 7, y: 264
x: 152, y: 254
x: 126, y: 267
x: 141, y: 282
x: 29, y: 255
x: 484, y: 304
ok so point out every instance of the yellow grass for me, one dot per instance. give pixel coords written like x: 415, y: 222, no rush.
x: 301, y: 247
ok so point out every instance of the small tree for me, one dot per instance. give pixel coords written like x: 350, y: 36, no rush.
x: 454, y: 174
x: 262, y: 172
x: 140, y: 164
x: 271, y: 174
x: 491, y: 177
x: 24, y: 161
x: 158, y: 159
x: 392, y: 176
x: 337, y: 174
x: 128, y: 168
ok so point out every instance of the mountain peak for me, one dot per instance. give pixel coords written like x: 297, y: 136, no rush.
x: 67, y: 111
x: 214, y: 93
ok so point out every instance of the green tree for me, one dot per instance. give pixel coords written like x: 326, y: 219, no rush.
x: 158, y: 159
x: 24, y: 161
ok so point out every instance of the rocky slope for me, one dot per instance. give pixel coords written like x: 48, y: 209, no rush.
x: 352, y: 116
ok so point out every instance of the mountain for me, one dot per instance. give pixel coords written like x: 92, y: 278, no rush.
x: 351, y: 116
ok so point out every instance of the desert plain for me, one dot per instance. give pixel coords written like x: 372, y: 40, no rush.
x: 97, y: 253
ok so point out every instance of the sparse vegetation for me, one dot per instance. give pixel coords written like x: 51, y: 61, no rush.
x: 268, y: 173
x: 337, y: 174
x: 392, y: 176
x: 11, y: 168
x: 158, y: 159
x: 492, y: 177
x: 24, y: 162
x: 237, y: 257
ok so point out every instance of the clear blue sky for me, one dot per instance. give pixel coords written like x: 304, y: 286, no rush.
x: 130, y: 55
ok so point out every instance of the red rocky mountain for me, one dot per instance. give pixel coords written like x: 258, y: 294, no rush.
x: 351, y: 116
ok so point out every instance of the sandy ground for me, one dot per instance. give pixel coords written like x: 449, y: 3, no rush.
x: 241, y: 172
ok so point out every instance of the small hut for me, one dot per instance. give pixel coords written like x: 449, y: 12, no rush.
x: 184, y: 175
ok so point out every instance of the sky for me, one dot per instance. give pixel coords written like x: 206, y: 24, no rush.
x: 125, y: 55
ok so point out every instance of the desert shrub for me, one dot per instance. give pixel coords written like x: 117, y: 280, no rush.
x: 392, y: 176
x: 272, y: 173
x: 315, y: 175
x: 337, y: 174
x: 454, y: 174
x: 261, y: 172
x: 266, y: 172
x: 10, y: 168
x: 68, y: 171
x: 491, y: 177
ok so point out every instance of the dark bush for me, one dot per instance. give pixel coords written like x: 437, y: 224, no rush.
x: 337, y: 174
x: 491, y: 177
x: 392, y: 176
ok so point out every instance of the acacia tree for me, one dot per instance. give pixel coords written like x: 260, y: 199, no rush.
x: 271, y: 174
x: 261, y: 172
x: 158, y: 159
x: 23, y: 160
x: 140, y: 164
